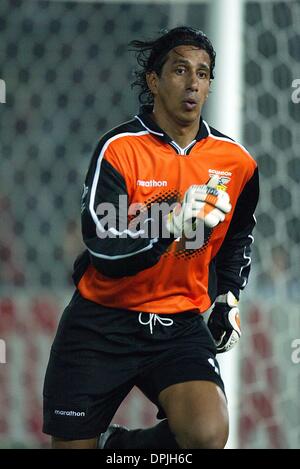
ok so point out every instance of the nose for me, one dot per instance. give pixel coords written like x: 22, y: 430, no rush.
x: 193, y: 82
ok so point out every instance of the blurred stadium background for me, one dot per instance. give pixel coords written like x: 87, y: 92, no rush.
x: 67, y: 73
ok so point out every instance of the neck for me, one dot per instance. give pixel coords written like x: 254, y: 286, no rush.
x: 182, y: 133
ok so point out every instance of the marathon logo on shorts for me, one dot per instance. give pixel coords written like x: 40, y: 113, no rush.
x: 69, y: 413
x: 151, y: 183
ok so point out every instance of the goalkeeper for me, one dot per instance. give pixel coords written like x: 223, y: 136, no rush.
x: 135, y: 318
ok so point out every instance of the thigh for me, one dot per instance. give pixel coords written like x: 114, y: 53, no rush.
x: 81, y: 397
x: 200, y: 401
x: 85, y: 383
x: 197, y: 414
x: 189, y: 357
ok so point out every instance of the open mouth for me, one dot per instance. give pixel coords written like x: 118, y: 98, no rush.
x: 190, y: 104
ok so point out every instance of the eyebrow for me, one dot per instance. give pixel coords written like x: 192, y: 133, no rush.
x: 186, y: 62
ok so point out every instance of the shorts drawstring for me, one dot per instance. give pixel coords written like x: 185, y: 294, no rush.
x: 153, y: 318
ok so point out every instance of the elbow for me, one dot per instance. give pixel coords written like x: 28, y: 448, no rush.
x: 108, y: 268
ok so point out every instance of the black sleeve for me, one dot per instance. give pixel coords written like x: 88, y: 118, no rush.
x: 115, y: 249
x: 234, y: 257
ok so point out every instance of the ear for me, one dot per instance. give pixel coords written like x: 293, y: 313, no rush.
x: 209, y: 90
x: 152, y: 82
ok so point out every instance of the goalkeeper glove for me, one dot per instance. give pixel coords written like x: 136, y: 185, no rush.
x: 200, y: 203
x: 224, y: 322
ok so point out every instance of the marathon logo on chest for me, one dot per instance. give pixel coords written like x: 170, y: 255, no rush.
x: 151, y: 183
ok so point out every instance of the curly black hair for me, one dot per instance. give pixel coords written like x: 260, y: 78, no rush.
x: 152, y: 55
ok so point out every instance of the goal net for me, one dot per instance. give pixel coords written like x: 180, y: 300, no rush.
x: 269, y: 409
x: 66, y: 73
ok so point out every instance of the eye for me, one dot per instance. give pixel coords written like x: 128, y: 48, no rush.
x: 202, y: 74
x: 180, y: 70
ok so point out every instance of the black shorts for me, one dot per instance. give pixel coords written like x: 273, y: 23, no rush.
x: 100, y: 353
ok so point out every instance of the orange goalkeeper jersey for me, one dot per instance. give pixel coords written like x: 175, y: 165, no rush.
x: 138, y: 165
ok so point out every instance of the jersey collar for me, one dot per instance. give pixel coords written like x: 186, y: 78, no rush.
x: 145, y: 119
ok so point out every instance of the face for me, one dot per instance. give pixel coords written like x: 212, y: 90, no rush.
x: 183, y: 86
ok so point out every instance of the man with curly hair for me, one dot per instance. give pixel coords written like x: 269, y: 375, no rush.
x: 144, y: 281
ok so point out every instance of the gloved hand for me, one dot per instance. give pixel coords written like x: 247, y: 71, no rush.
x: 201, y: 203
x: 224, y: 322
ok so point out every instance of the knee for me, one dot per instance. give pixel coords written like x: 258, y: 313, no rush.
x: 202, y: 436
